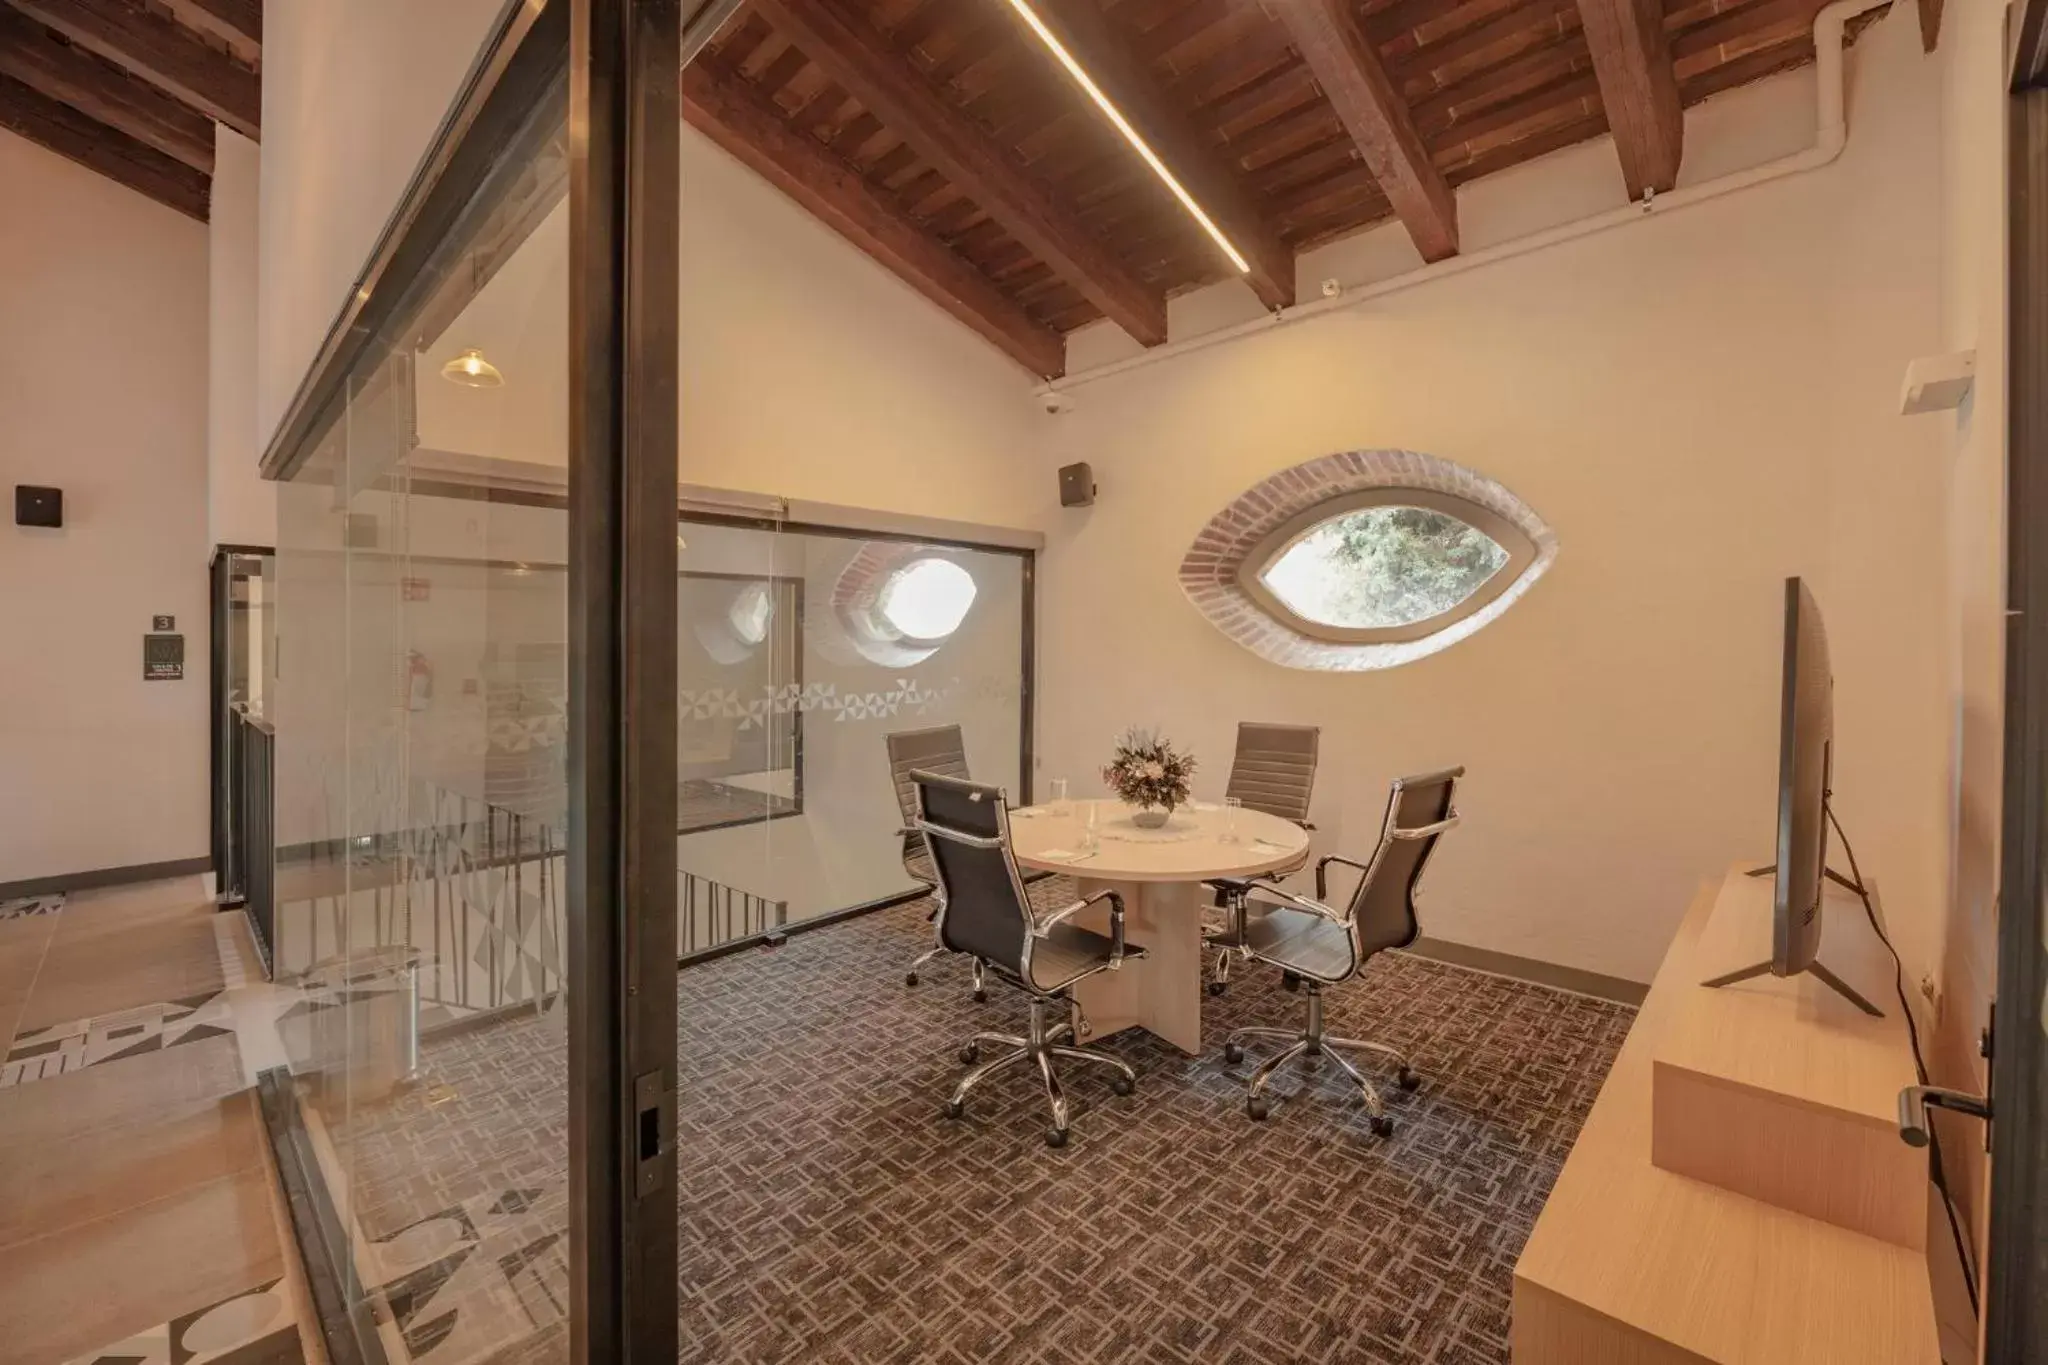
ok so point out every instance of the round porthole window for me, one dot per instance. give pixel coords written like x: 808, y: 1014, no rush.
x: 750, y: 613
x: 926, y: 600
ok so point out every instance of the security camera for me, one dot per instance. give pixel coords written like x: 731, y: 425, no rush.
x: 1055, y: 402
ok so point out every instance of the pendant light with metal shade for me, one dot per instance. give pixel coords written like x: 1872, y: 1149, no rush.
x: 472, y: 371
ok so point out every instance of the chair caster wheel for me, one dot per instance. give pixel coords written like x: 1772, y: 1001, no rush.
x: 1290, y: 981
x: 956, y: 1109
x: 910, y: 978
x: 1218, y: 987
x: 1382, y: 1126
x: 969, y: 1055
x: 1407, y: 1080
x: 1257, y: 1107
x: 1055, y: 1137
x: 981, y: 997
x: 1232, y: 1053
x: 1122, y: 1085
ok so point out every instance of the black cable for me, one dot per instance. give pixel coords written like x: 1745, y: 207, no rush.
x: 1940, y: 1177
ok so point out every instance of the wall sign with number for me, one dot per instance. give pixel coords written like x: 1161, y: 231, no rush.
x: 163, y: 658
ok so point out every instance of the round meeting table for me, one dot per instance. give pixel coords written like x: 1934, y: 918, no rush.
x: 1159, y: 873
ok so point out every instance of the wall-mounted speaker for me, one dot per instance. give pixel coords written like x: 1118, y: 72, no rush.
x: 1077, y: 485
x: 35, y: 506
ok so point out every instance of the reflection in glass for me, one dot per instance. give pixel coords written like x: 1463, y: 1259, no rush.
x: 1381, y: 567
x: 927, y: 599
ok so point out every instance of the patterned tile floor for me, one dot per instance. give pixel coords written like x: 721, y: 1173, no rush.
x: 829, y: 1212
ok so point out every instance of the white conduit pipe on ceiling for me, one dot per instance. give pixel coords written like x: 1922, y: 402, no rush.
x: 1831, y: 134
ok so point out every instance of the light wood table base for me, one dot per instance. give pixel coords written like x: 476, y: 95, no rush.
x: 1162, y: 992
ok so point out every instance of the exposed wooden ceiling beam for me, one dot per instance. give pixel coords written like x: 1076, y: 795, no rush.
x: 1202, y: 169
x: 1356, y: 84
x: 1638, y: 90
x: 862, y: 63
x: 113, y: 154
x: 162, y: 52
x: 747, y: 125
x: 1930, y: 24
x: 235, y: 20
x: 102, y: 91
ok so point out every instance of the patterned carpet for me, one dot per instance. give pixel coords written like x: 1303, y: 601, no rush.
x: 830, y: 1212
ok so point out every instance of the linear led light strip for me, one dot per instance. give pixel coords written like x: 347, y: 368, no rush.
x: 1123, y: 125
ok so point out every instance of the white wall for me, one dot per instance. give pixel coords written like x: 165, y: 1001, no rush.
x: 102, y: 393
x: 352, y: 93
x: 241, y: 509
x: 1973, y: 316
x: 807, y: 369
x: 1699, y: 404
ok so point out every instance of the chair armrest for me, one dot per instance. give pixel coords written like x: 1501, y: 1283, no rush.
x: 1323, y: 873
x: 1043, y: 927
x: 1425, y: 831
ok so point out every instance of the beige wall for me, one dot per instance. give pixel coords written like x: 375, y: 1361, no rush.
x: 241, y: 509
x: 1699, y: 404
x: 807, y: 369
x: 352, y: 93
x: 103, y: 393
x: 1973, y: 316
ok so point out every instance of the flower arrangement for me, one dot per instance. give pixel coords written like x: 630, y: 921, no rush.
x: 1146, y: 771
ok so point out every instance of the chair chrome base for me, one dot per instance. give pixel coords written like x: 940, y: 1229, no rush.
x: 1227, y: 941
x: 1040, y: 1046
x: 1311, y: 1044
x: 980, y: 987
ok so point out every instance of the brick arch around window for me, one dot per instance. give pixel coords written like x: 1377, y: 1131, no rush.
x: 857, y: 600
x: 1239, y: 539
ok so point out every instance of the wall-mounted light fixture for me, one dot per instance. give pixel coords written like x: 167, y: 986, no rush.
x: 1130, y: 134
x: 472, y: 371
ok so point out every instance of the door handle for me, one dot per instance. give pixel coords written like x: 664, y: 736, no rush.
x: 1916, y: 1100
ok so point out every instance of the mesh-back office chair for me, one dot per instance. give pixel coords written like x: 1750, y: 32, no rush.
x: 1273, y: 770
x: 1324, y: 946
x: 934, y: 749
x: 985, y: 913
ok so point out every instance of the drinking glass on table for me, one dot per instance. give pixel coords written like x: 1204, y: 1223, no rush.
x: 1059, y: 796
x: 1231, y: 806
x: 1091, y: 839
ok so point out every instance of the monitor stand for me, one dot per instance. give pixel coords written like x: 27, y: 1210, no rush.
x: 1828, y: 978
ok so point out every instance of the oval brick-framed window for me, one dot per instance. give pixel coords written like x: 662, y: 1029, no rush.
x: 899, y: 602
x: 1364, y: 559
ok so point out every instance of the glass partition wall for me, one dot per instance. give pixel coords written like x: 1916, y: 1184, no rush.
x: 474, y: 639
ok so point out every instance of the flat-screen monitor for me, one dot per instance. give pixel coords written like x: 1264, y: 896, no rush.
x: 1806, y: 736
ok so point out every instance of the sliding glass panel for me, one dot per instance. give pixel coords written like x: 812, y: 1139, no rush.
x: 802, y: 650
x: 421, y: 707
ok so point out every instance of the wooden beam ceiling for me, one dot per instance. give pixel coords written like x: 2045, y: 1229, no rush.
x: 728, y: 111
x: 31, y: 54
x: 1638, y: 89
x: 1086, y: 32
x: 113, y: 154
x: 239, y: 21
x: 862, y: 63
x: 160, y: 51
x: 1356, y: 84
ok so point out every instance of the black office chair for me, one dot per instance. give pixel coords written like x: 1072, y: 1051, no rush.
x: 1274, y: 771
x: 936, y: 749
x: 985, y: 912
x: 1324, y: 947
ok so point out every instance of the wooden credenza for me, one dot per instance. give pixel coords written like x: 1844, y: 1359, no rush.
x: 1631, y: 1263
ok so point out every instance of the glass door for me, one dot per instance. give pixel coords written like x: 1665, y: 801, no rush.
x: 475, y: 667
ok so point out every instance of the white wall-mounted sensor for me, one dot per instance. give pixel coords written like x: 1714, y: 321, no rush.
x: 1936, y: 383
